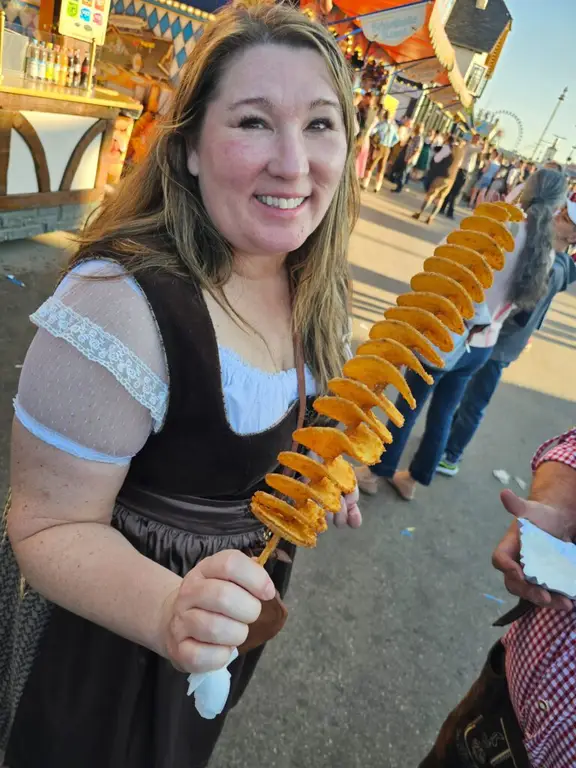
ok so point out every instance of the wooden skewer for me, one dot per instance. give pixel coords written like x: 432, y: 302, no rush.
x: 271, y: 545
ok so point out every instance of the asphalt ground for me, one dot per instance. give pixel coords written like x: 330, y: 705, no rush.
x: 387, y: 627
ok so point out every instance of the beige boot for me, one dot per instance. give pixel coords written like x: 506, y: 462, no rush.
x: 367, y: 480
x: 404, y: 484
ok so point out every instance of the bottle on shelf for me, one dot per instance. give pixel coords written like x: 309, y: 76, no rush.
x: 70, y: 70
x: 77, y: 69
x: 84, y: 72
x: 63, y: 67
x: 56, y: 70
x: 32, y: 61
x: 49, y: 63
x: 41, y: 62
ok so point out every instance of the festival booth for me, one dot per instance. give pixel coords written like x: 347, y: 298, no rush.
x: 63, y: 143
x: 405, y: 42
x: 57, y: 125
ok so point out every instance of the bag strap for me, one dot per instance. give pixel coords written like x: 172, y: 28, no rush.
x: 299, y: 363
x: 300, y: 375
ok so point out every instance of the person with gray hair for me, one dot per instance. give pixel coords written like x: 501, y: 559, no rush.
x: 519, y: 285
x: 534, y: 287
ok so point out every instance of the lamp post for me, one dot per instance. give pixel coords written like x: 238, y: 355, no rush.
x: 549, y: 123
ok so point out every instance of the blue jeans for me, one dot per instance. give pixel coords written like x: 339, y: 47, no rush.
x: 478, y: 394
x: 447, y: 392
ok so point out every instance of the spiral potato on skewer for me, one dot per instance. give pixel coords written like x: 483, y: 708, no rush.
x: 442, y: 298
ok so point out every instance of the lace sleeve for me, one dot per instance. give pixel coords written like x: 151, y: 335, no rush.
x: 94, y: 382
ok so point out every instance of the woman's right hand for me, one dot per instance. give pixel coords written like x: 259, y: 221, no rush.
x: 209, y: 615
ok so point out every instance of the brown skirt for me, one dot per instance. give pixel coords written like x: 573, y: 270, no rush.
x: 91, y: 699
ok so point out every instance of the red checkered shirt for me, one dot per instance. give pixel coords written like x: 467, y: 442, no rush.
x: 541, y: 661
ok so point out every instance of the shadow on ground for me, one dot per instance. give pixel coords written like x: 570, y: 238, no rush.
x: 386, y: 631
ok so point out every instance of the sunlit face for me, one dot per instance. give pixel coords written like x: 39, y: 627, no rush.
x: 272, y: 149
x: 565, y: 229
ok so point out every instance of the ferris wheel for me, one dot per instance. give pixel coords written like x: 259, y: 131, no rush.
x: 519, y: 126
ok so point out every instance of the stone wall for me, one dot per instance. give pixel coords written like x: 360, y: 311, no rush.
x: 17, y: 225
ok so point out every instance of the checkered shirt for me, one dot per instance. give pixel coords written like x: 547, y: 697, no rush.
x: 541, y: 661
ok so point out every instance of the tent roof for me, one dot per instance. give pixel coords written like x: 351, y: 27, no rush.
x: 428, y: 54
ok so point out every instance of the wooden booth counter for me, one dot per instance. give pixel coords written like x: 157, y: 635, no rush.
x: 56, y: 149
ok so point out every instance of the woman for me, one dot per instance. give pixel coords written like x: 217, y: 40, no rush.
x: 383, y: 136
x: 513, y: 339
x: 423, y: 162
x: 487, y: 176
x: 443, y: 169
x: 367, y: 125
x: 413, y: 150
x: 171, y: 339
x: 523, y: 280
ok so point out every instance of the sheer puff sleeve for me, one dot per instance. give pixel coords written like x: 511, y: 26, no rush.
x: 94, y: 382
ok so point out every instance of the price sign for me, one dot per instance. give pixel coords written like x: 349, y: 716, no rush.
x: 84, y: 19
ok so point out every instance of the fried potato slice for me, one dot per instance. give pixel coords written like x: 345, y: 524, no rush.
x: 348, y: 413
x: 289, y: 486
x: 462, y: 275
x: 407, y: 335
x: 476, y: 263
x: 320, y: 523
x: 328, y: 494
x: 267, y: 508
x: 327, y: 442
x: 377, y: 374
x: 515, y: 213
x: 365, y: 398
x: 397, y: 353
x: 440, y: 306
x: 425, y: 322
x: 283, y: 508
x: 303, y: 465
x: 381, y: 429
x: 492, y: 211
x: 341, y: 474
x: 340, y: 409
x: 445, y: 286
x: 495, y: 229
x: 367, y: 445
x: 484, y: 244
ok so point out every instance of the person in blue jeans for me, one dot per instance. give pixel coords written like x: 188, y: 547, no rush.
x: 521, y: 284
x: 514, y: 337
x: 446, y: 392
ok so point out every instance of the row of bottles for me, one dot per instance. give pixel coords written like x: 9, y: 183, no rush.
x: 47, y: 63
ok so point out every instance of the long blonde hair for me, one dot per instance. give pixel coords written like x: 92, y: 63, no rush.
x: 157, y: 219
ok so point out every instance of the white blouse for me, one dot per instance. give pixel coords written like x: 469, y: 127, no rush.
x: 95, y: 381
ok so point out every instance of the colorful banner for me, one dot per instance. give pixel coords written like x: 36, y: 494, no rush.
x: 394, y: 26
x: 84, y: 19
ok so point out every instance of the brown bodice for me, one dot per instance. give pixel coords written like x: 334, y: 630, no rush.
x: 197, y: 453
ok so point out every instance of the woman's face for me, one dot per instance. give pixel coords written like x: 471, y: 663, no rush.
x: 564, y: 228
x: 272, y: 149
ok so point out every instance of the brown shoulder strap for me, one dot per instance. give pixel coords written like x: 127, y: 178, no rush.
x: 299, y: 362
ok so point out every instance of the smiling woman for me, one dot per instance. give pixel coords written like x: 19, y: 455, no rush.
x: 206, y: 300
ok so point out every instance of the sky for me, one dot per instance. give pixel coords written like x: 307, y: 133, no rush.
x: 538, y: 61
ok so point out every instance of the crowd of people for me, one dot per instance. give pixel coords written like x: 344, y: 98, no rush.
x: 451, y: 167
x: 205, y: 303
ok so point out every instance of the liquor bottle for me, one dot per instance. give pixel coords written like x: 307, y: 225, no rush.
x: 63, y: 68
x: 77, y: 69
x: 32, y: 61
x: 49, y: 63
x: 70, y: 72
x: 56, y: 74
x: 85, y: 72
x: 41, y: 62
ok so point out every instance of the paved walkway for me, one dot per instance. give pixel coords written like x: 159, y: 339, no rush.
x: 386, y: 631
